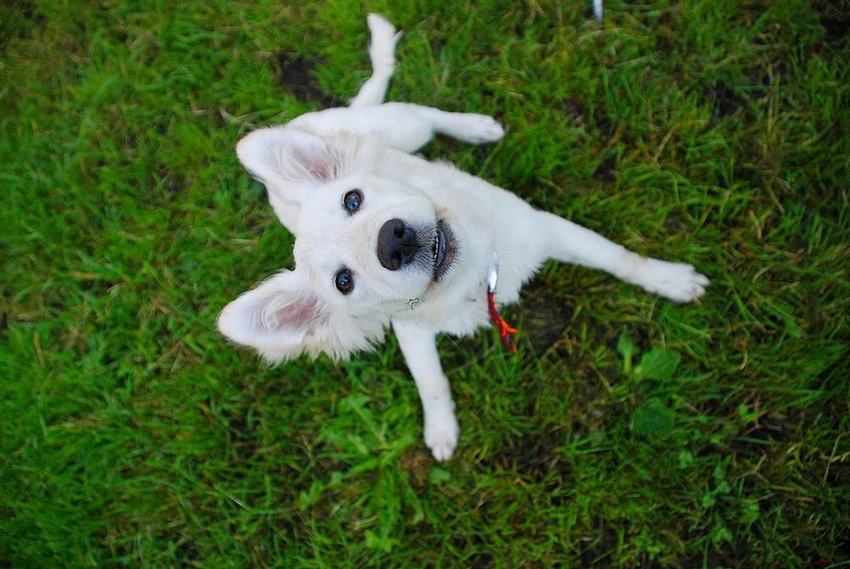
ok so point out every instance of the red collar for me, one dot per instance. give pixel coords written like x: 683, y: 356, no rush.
x: 506, y: 331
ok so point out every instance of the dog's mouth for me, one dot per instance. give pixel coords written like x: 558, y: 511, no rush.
x: 443, y: 250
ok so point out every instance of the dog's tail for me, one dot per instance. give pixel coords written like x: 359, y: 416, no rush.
x: 382, y: 54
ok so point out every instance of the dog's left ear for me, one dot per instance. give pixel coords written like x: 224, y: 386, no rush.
x: 293, y: 163
x: 283, y: 318
x: 275, y: 318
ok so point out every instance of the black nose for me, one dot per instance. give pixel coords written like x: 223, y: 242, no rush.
x: 397, y: 244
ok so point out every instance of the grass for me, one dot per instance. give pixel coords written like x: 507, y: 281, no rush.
x: 627, y: 431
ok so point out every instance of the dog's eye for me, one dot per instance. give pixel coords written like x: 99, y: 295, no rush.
x: 344, y: 281
x: 352, y: 200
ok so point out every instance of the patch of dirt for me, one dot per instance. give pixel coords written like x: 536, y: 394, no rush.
x: 534, y: 454
x: 544, y: 316
x: 834, y: 17
x: 477, y: 560
x: 417, y: 463
x: 4, y: 314
x: 295, y: 72
x: 757, y: 439
x: 170, y: 182
x: 243, y: 434
x: 481, y: 560
x: 19, y: 19
x: 607, y: 170
x: 604, y: 124
x: 600, y: 547
x: 575, y: 111
x: 726, y: 101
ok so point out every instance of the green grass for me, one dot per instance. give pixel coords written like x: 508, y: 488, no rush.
x: 627, y: 431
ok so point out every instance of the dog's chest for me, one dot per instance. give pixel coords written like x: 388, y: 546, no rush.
x: 460, y: 315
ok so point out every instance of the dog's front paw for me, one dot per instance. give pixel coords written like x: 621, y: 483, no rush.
x: 479, y: 129
x: 676, y: 281
x: 441, y: 432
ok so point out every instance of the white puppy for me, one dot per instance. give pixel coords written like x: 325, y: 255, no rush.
x: 385, y: 238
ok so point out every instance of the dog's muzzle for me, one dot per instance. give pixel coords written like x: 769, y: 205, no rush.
x: 429, y: 248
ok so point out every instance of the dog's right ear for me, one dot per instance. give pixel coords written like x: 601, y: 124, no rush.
x: 293, y: 163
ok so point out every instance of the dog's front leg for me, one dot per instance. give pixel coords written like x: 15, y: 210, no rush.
x: 571, y: 243
x: 420, y: 353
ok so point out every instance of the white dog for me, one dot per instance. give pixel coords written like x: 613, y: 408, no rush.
x: 385, y: 238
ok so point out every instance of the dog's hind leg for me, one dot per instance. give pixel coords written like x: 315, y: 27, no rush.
x: 471, y: 128
x: 382, y: 54
x: 404, y: 126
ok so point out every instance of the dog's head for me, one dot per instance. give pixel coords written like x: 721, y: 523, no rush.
x: 366, y: 247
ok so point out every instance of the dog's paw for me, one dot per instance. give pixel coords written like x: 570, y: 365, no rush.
x: 478, y: 129
x: 441, y: 432
x: 676, y: 281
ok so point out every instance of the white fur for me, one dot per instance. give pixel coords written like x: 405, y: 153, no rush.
x: 310, y: 163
